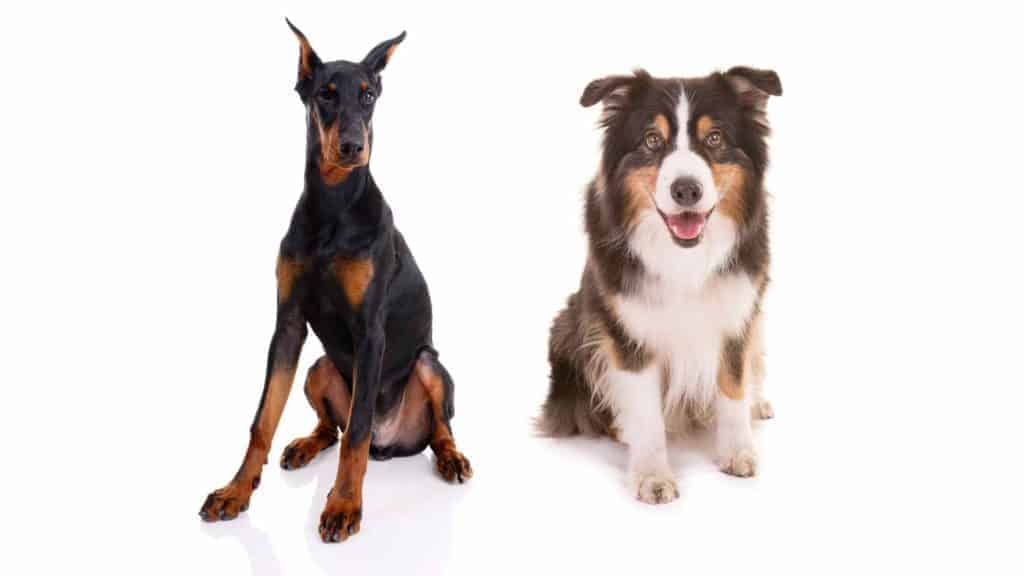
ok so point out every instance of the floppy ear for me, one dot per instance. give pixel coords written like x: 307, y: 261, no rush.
x: 753, y: 86
x: 308, y: 62
x: 379, y: 57
x: 601, y: 88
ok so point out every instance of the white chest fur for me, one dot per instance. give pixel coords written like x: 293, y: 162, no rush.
x: 684, y: 312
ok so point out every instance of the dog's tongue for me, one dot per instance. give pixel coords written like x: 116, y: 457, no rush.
x: 686, y: 226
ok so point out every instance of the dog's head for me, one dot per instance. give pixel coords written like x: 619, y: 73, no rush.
x: 340, y: 97
x: 685, y: 148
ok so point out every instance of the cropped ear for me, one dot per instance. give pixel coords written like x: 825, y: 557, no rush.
x: 308, y: 62
x: 601, y: 88
x: 753, y: 86
x: 379, y: 57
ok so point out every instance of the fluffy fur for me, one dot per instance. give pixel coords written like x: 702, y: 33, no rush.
x: 666, y: 322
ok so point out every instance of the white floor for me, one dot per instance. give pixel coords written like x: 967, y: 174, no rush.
x: 153, y: 155
x: 831, y: 496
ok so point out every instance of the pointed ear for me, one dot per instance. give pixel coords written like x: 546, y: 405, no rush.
x: 753, y: 86
x: 602, y: 88
x: 308, y: 62
x: 379, y: 57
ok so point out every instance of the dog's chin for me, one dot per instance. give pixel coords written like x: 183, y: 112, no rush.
x: 686, y: 228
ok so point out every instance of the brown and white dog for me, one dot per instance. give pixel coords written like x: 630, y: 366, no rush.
x: 666, y: 324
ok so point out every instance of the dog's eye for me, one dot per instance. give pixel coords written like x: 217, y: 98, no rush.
x: 714, y: 139
x: 367, y: 97
x: 328, y: 92
x: 652, y: 140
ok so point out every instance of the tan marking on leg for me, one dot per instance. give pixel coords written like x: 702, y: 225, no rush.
x: 353, y: 275
x: 730, y: 386
x: 327, y: 395
x: 227, y: 502
x: 277, y: 394
x: 343, y: 512
x: 287, y: 273
x: 325, y: 381
x: 352, y: 469
x: 450, y: 462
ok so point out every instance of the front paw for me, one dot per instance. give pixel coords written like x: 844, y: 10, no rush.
x: 740, y: 462
x: 340, y: 518
x: 658, y: 488
x: 225, y: 503
x: 453, y: 466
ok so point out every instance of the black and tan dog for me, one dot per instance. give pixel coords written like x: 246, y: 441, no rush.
x: 345, y: 270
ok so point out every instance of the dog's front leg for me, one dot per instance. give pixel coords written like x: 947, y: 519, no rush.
x: 365, y: 284
x: 734, y: 438
x: 636, y: 398
x: 285, y: 346
x: 343, y: 512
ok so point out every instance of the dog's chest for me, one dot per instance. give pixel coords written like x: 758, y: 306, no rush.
x: 686, y: 329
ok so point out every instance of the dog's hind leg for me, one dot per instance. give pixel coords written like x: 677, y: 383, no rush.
x: 329, y: 397
x: 760, y: 407
x: 435, y: 380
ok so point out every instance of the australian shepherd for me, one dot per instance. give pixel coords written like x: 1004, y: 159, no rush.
x: 665, y: 328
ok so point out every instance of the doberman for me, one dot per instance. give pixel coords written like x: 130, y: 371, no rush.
x: 346, y: 271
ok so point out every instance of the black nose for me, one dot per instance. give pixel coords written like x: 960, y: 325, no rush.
x: 351, y: 148
x: 686, y: 191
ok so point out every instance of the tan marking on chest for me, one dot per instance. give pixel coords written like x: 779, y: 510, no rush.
x: 353, y: 275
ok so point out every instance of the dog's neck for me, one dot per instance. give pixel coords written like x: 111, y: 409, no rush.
x: 338, y: 196
x: 341, y: 218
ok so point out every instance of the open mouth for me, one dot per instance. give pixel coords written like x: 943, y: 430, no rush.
x: 687, y: 228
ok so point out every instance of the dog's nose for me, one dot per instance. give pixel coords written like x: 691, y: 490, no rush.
x: 351, y: 148
x: 686, y: 191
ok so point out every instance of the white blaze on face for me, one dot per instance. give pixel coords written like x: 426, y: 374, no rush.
x: 683, y: 162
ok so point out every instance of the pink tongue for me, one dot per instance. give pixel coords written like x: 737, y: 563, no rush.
x: 686, y: 226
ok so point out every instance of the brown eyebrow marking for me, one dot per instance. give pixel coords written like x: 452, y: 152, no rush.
x: 661, y: 123
x: 331, y: 86
x: 363, y: 86
x: 704, y: 126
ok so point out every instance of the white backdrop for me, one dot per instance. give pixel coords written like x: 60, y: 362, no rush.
x: 152, y: 156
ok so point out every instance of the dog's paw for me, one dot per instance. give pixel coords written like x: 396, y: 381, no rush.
x: 762, y: 410
x: 227, y: 502
x: 453, y: 466
x: 340, y: 518
x: 301, y: 451
x: 741, y: 462
x: 656, y: 488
